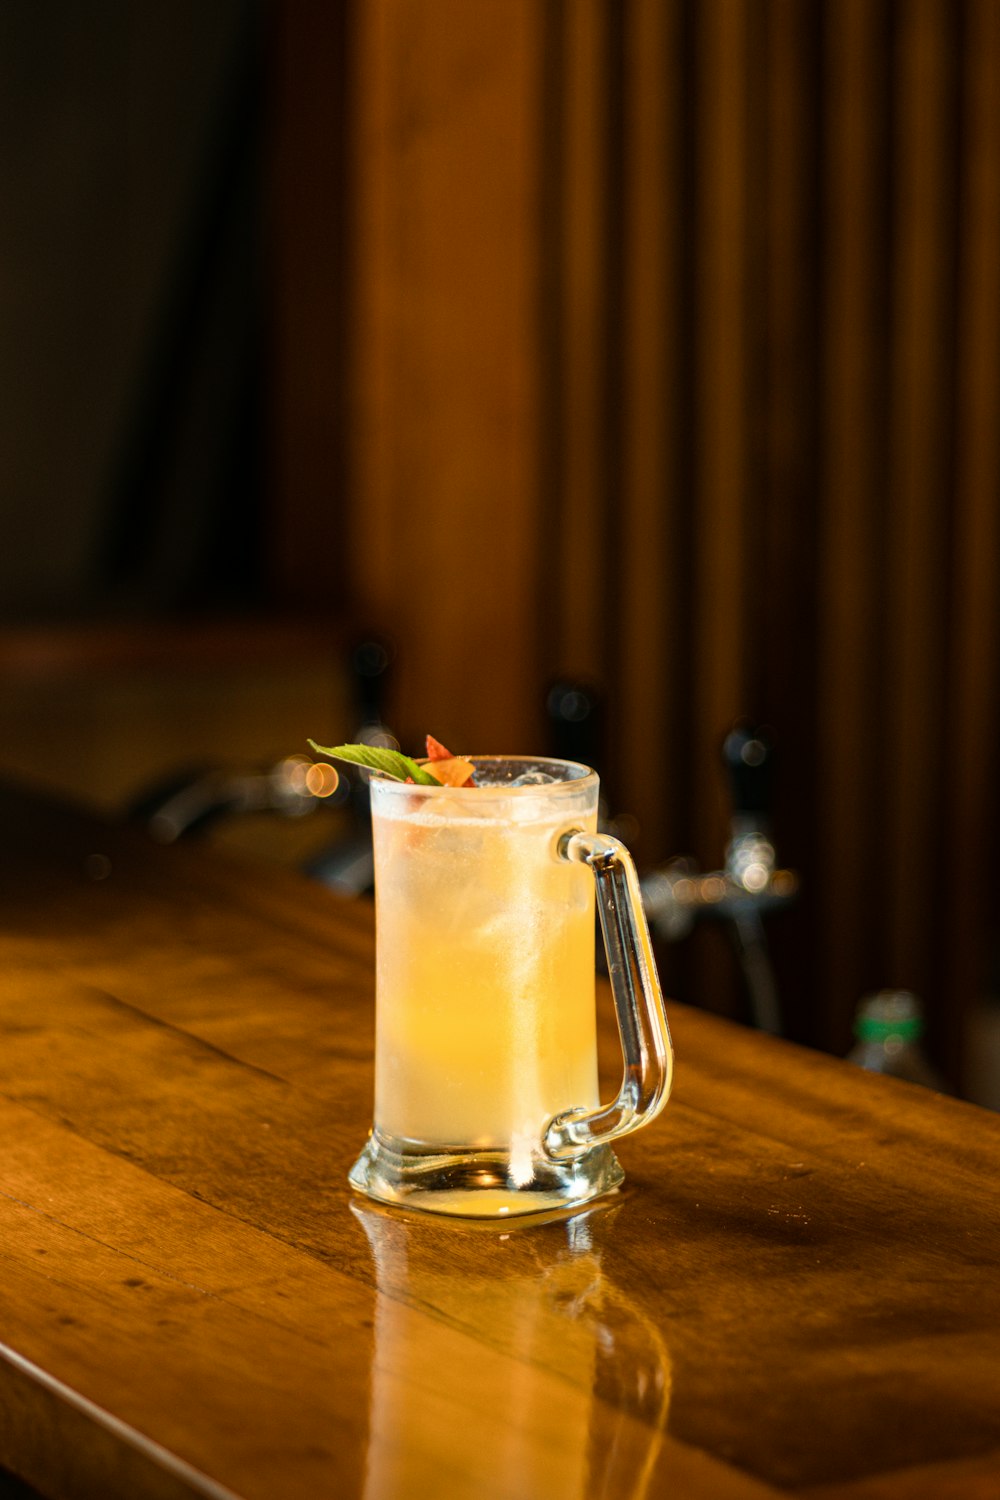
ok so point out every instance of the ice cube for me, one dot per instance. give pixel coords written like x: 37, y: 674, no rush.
x: 496, y: 772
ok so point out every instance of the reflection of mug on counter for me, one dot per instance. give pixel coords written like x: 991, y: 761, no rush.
x: 510, y: 1356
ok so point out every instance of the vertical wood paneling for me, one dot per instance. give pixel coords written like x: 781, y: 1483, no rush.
x: 684, y: 317
x: 720, y: 376
x: 970, y: 804
x: 786, y: 429
x: 651, y: 597
x: 580, y: 555
x: 721, y: 481
x: 851, y: 622
x: 920, y: 417
x: 446, y: 416
x: 782, y: 578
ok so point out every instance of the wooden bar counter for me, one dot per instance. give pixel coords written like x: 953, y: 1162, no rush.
x: 796, y: 1291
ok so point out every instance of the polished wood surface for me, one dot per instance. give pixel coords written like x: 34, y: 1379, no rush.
x: 795, y: 1292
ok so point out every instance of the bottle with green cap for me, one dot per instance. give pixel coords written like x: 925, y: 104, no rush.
x: 888, y: 1027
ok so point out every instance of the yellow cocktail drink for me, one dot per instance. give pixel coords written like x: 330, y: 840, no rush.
x: 486, y: 1089
x: 485, y: 971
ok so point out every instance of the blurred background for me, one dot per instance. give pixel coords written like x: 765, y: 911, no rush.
x: 649, y: 346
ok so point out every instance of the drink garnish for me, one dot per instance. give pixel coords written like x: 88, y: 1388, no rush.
x: 391, y: 763
x: 449, y: 770
x: 456, y: 771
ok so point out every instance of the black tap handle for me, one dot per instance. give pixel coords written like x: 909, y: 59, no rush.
x: 369, y: 664
x: 748, y: 754
x: 573, y: 709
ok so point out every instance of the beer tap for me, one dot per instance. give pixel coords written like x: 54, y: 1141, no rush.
x: 193, y: 800
x: 750, y: 884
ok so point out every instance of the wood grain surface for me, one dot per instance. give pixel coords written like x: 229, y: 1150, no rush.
x: 795, y: 1292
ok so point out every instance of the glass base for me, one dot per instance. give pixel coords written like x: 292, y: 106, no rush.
x: 479, y: 1184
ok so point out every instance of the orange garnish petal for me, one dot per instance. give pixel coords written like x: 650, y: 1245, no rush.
x: 436, y: 751
x: 455, y: 771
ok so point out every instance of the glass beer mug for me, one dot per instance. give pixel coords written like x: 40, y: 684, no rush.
x: 486, y: 1087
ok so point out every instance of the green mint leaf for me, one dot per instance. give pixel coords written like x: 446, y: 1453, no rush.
x: 390, y: 762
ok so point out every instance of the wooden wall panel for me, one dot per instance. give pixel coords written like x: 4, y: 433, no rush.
x: 969, y: 805
x: 650, y: 603
x: 783, y: 405
x: 722, y: 380
x: 920, y: 435
x: 577, y: 624
x: 674, y: 365
x: 850, y: 872
x: 444, y: 430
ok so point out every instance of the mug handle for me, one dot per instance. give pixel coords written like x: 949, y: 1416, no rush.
x: 642, y: 1019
